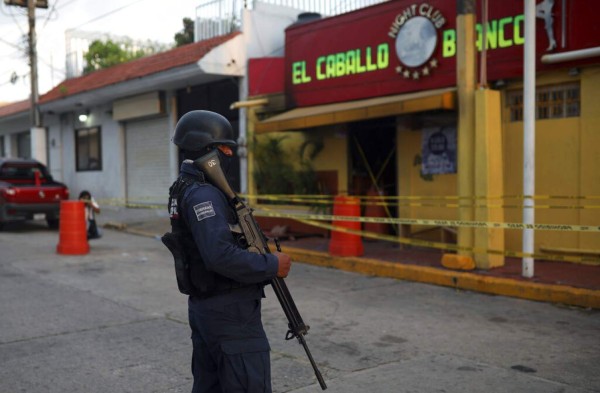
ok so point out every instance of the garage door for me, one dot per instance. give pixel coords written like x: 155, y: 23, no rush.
x: 147, y: 157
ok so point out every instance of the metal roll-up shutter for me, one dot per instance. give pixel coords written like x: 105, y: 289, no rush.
x: 147, y: 157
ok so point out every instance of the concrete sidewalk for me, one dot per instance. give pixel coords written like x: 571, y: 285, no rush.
x: 555, y: 282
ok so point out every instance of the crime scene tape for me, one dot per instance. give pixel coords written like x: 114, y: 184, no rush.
x: 417, y: 197
x: 379, y: 201
x: 263, y: 211
x: 383, y: 201
x: 316, y: 220
x: 120, y: 202
x: 455, y: 247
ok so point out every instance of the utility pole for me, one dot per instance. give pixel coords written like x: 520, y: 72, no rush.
x: 35, y: 113
x: 38, y: 133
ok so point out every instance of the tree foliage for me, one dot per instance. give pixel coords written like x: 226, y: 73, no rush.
x: 281, y: 172
x: 185, y: 36
x: 105, y: 54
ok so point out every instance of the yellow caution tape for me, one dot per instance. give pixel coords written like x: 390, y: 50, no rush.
x: 454, y: 247
x: 417, y: 197
x: 267, y: 212
x: 316, y: 221
x: 123, y: 203
x: 263, y: 211
x: 382, y: 201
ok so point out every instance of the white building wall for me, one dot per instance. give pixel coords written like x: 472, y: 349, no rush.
x: 104, y: 184
x: 55, y: 157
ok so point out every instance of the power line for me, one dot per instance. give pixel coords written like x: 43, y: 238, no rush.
x: 107, y: 14
x: 10, y: 44
x: 52, y: 10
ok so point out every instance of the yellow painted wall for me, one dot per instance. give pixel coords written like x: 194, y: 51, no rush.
x: 410, y: 181
x: 590, y: 154
x: 334, y: 156
x: 567, y: 162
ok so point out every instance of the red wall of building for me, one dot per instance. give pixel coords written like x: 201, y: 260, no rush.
x: 265, y: 76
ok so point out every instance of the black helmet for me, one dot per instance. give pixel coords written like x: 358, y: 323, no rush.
x: 199, y: 130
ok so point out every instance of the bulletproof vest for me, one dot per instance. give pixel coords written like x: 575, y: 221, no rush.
x: 192, y: 276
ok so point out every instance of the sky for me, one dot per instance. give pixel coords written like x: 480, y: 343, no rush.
x: 154, y: 20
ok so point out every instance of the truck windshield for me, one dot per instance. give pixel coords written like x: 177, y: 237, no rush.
x: 22, y: 172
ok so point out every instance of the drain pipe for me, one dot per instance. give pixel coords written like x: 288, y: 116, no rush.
x: 570, y: 56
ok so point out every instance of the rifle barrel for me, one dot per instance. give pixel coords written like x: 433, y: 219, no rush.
x: 312, y: 362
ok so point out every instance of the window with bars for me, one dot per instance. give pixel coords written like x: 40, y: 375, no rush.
x: 552, y: 102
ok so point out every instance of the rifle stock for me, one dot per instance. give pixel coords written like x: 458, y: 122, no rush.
x: 210, y: 165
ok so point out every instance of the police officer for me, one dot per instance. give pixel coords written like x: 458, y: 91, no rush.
x: 230, y: 347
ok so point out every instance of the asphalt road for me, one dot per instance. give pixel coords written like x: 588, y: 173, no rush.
x: 113, y: 321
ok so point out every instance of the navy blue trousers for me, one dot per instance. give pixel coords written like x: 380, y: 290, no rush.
x: 231, y: 350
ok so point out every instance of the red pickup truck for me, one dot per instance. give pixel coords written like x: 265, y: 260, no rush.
x: 28, y: 192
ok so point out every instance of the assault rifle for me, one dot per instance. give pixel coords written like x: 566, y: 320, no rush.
x: 257, y: 242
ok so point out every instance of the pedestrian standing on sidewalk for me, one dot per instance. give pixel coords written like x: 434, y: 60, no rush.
x: 230, y: 346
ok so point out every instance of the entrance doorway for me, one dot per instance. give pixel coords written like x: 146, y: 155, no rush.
x: 373, y: 169
x: 373, y: 156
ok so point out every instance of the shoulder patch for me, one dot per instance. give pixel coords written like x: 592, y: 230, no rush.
x: 204, y: 210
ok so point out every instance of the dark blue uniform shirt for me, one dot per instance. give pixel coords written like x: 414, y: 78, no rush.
x: 209, y: 215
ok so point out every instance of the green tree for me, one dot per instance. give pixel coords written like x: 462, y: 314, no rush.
x: 109, y: 53
x: 275, y: 171
x: 185, y: 36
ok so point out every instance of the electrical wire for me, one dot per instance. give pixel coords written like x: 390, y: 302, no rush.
x: 107, y: 14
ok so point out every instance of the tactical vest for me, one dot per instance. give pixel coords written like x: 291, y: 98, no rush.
x: 192, y: 276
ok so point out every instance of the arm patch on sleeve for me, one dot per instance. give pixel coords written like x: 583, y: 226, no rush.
x: 204, y: 210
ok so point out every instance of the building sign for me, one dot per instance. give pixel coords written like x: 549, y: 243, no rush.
x: 336, y: 65
x: 438, y: 148
x: 404, y: 46
x: 415, y: 31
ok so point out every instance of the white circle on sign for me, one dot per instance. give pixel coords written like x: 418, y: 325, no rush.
x: 416, y: 41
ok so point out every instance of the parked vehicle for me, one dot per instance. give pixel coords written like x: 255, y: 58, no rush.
x: 28, y: 192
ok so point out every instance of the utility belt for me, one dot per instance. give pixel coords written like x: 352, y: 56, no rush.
x: 192, y: 276
x: 208, y: 295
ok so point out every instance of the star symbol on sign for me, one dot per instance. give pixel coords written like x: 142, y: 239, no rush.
x: 399, y: 69
x: 406, y: 74
x: 433, y: 63
x: 425, y: 71
x: 415, y: 75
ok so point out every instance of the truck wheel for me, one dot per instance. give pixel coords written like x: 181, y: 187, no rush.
x: 52, y: 223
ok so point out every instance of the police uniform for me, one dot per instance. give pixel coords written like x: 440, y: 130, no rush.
x: 230, y: 347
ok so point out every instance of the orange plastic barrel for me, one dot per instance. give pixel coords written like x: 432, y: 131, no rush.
x: 72, y: 230
x: 341, y: 243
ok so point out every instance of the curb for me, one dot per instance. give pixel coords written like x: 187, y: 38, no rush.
x: 459, y: 280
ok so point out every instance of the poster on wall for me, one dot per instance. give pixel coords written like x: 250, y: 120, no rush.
x: 439, y: 150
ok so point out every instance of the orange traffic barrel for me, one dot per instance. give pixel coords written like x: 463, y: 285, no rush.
x: 72, y: 229
x: 342, y: 243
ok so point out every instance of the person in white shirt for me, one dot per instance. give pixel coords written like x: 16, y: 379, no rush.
x: 91, y: 209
